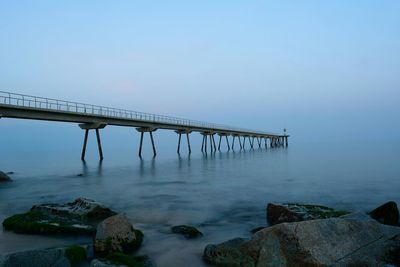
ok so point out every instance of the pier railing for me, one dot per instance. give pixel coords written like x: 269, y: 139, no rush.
x: 42, y: 103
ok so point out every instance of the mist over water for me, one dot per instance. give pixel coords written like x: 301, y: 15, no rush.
x: 223, y: 194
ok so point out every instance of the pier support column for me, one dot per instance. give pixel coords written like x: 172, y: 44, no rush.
x: 286, y: 140
x: 251, y: 142
x: 240, y: 143
x: 265, y: 142
x: 259, y: 142
x: 227, y: 142
x: 233, y: 142
x: 149, y: 130
x: 244, y: 142
x: 96, y: 127
x: 187, y: 132
x: 213, y: 146
x: 219, y: 143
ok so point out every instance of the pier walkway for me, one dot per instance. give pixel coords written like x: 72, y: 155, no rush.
x: 93, y: 117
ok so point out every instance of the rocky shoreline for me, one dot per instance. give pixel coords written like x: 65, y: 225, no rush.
x: 297, y: 235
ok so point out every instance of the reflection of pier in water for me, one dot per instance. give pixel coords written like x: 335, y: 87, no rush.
x: 92, y: 117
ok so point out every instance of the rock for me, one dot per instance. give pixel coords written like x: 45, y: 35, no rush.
x: 327, y: 242
x: 228, y: 254
x: 116, y: 234
x: 99, y: 263
x: 81, y: 208
x: 37, y: 222
x: 386, y: 213
x: 295, y: 212
x: 42, y: 258
x: 121, y: 259
x: 255, y: 230
x: 4, y: 177
x: 358, y: 216
x: 187, y: 231
x: 76, y: 254
x: 78, y: 217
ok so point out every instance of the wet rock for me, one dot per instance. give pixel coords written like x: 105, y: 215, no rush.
x: 358, y: 216
x: 81, y: 208
x: 4, y: 177
x: 255, y: 230
x: 295, y: 212
x: 99, y: 263
x: 76, y: 254
x: 189, y: 232
x: 328, y: 242
x: 37, y: 222
x: 116, y: 234
x: 229, y: 254
x: 387, y: 213
x: 78, y: 217
x: 42, y: 258
x: 121, y: 259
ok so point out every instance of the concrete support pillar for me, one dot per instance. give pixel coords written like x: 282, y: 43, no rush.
x: 96, y: 127
x: 259, y: 142
x: 149, y: 130
x: 219, y: 143
x: 286, y: 139
x: 227, y: 142
x: 188, y: 142
x: 233, y: 142
x: 187, y: 132
x: 251, y: 142
x: 265, y: 142
x: 179, y: 142
x: 244, y: 142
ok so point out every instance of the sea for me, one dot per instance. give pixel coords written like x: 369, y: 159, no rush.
x: 224, y: 194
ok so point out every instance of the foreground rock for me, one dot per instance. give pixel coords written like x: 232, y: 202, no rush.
x: 120, y: 259
x: 189, y: 232
x: 116, y: 234
x: 294, y: 212
x: 230, y: 253
x: 42, y: 258
x: 78, y: 217
x: 4, y: 177
x: 387, y: 213
x: 329, y: 242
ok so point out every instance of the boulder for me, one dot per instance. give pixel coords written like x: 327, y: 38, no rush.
x: 189, y: 232
x: 80, y: 208
x: 116, y: 234
x: 295, y: 212
x: 228, y: 254
x: 324, y: 242
x: 4, y: 177
x: 121, y: 259
x: 78, y: 217
x: 387, y: 213
x: 42, y: 258
x: 76, y: 254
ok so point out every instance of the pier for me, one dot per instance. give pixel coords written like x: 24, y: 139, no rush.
x: 95, y: 118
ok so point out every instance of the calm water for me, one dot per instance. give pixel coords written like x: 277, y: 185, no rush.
x: 225, y: 194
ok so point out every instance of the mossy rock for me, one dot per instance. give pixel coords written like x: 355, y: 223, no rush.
x: 189, y: 232
x: 75, y: 254
x: 37, y: 222
x: 118, y: 258
x: 311, y: 212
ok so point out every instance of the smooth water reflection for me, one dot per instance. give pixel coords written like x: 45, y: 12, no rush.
x: 224, y: 194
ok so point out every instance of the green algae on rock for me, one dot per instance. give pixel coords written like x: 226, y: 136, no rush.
x: 79, y: 217
x: 189, y: 232
x: 75, y: 254
x: 37, y: 222
x: 295, y: 212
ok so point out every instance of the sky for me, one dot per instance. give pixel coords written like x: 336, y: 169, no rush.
x: 322, y: 69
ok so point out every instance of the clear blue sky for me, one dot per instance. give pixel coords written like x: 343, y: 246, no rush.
x: 326, y: 68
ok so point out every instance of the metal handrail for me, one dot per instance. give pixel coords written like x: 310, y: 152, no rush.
x: 20, y: 100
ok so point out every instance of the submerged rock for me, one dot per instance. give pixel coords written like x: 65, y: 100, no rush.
x: 295, y: 212
x: 42, y: 258
x: 189, y: 232
x: 121, y: 259
x: 116, y: 234
x: 78, y: 217
x: 229, y: 254
x: 4, y: 177
x: 328, y: 242
x: 387, y: 213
